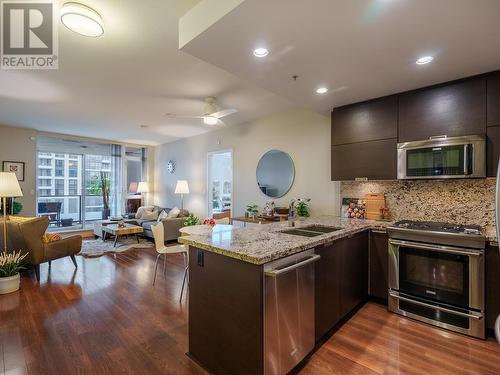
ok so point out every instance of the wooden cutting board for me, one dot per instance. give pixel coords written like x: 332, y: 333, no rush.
x: 373, y: 203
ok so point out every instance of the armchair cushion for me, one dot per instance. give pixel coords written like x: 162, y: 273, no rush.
x: 51, y: 237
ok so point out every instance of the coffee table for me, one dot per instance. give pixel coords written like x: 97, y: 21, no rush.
x: 115, y: 230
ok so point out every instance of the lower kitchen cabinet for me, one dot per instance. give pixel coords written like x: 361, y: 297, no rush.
x: 341, y: 280
x: 492, y: 285
x: 379, y: 274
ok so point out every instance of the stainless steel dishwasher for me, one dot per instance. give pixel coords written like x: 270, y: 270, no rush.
x: 288, y: 311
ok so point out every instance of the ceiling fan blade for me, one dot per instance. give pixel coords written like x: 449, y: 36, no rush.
x: 224, y: 113
x: 173, y: 115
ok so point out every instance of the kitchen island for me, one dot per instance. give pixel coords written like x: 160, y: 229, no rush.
x: 227, y: 291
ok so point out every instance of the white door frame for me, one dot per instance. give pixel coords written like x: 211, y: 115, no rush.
x: 207, y: 196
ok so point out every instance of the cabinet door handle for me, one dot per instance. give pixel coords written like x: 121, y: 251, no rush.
x: 381, y: 231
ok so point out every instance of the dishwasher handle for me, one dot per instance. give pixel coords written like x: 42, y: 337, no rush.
x: 279, y: 271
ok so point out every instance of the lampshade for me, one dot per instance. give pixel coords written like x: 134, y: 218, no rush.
x: 143, y: 187
x: 182, y: 187
x: 132, y: 188
x: 9, y: 186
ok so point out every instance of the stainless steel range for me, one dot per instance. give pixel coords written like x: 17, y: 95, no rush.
x: 436, y: 274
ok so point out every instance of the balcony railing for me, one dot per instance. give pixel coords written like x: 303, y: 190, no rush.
x: 66, y: 210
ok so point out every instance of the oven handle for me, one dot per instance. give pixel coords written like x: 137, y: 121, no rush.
x: 474, y: 315
x: 443, y: 249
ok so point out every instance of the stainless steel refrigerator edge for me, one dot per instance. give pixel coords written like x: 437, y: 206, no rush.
x: 497, y: 222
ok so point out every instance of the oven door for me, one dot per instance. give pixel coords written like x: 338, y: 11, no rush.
x: 443, y: 274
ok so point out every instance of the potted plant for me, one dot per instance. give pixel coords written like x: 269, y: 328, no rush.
x: 10, y: 265
x: 191, y: 220
x: 101, y: 186
x: 252, y: 210
x: 303, y: 209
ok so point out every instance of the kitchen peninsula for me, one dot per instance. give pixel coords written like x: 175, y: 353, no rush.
x: 229, y: 298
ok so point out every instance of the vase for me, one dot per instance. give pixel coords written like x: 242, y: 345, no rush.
x: 9, y: 284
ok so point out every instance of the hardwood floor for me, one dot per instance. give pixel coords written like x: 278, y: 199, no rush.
x: 107, y: 318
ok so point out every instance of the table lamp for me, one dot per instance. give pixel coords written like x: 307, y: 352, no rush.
x: 182, y: 188
x: 142, y: 188
x: 9, y: 188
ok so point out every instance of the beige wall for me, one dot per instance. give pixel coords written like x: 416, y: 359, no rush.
x: 303, y: 134
x: 18, y: 144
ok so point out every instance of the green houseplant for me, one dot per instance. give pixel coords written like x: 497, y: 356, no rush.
x: 302, y: 208
x: 252, y: 210
x: 10, y: 265
x: 101, y: 185
x: 191, y: 220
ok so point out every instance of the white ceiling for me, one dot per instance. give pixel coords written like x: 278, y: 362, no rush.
x: 359, y: 49
x: 106, y: 87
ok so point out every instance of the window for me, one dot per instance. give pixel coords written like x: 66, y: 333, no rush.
x: 59, y: 168
x: 59, y: 187
x: 73, y: 206
x: 73, y: 168
x: 220, y: 180
x: 44, y: 182
x: 72, y: 187
x: 43, y: 192
x: 46, y: 162
x: 45, y: 172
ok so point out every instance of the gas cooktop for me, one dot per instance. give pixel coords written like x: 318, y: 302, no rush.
x: 438, y: 233
x: 438, y: 227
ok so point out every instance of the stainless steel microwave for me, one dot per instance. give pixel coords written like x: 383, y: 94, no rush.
x: 443, y: 157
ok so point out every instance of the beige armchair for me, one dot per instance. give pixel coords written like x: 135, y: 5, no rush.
x: 27, y: 236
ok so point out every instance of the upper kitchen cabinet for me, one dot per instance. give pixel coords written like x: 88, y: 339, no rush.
x: 493, y: 99
x: 453, y: 109
x: 373, y: 160
x: 366, y: 121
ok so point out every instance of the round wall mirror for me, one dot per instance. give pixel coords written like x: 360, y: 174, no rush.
x: 275, y: 173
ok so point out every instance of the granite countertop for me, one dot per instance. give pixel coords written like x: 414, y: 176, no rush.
x: 264, y: 243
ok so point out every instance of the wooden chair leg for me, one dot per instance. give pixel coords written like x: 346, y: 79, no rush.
x: 37, y: 272
x: 73, y: 259
x: 156, y: 268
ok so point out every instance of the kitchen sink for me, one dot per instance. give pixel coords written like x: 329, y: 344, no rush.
x: 299, y: 232
x: 311, y: 230
x: 320, y: 228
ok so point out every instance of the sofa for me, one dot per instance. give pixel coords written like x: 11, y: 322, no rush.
x: 171, y: 226
x: 28, y: 235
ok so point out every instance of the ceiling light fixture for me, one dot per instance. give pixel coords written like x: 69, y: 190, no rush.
x: 82, y: 19
x: 210, y: 120
x: 322, y: 90
x: 260, y: 52
x: 424, y: 60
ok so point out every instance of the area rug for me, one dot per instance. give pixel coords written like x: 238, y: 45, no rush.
x: 97, y: 248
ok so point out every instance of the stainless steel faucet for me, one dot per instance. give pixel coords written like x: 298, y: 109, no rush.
x: 292, y: 214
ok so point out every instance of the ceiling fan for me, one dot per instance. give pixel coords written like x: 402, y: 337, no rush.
x: 211, y: 115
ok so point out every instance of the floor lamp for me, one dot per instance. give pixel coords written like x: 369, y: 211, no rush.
x: 9, y: 188
x: 142, y: 189
x: 182, y: 188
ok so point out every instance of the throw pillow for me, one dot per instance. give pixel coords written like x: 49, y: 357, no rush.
x: 162, y: 215
x: 51, y: 237
x: 143, y: 210
x: 174, y: 212
x: 150, y: 216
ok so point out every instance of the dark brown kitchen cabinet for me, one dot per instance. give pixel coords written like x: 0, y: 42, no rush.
x: 366, y: 121
x: 453, y: 109
x: 492, y: 285
x: 341, y: 280
x: 375, y: 160
x: 379, y: 274
x: 493, y: 100
x: 354, y: 285
x: 493, y: 150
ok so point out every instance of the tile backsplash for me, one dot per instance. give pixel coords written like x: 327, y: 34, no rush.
x: 467, y: 201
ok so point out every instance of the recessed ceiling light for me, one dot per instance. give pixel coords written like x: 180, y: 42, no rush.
x: 322, y: 90
x: 210, y: 120
x: 260, y: 52
x: 424, y: 60
x: 143, y: 126
x: 82, y: 19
